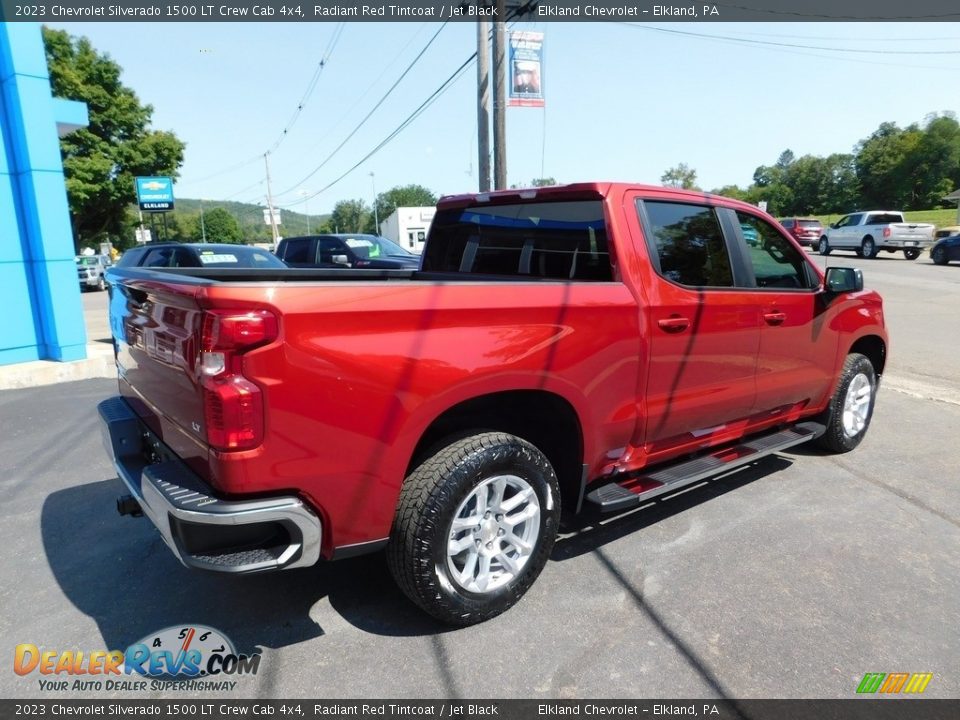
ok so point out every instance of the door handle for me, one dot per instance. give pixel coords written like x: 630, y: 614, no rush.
x: 774, y: 318
x: 674, y: 324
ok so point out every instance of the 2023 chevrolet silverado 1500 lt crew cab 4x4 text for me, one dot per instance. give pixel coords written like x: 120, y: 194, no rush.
x: 577, y: 347
x: 867, y: 233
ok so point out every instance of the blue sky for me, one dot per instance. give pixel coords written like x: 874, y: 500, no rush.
x: 623, y: 103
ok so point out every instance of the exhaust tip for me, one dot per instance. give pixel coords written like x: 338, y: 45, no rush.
x: 127, y: 505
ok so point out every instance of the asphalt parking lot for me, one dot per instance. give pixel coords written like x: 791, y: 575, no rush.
x: 791, y: 578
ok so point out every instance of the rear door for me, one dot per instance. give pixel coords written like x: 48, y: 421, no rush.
x: 704, y: 328
x: 797, y: 350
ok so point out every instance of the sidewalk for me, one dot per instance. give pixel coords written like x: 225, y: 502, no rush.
x: 99, y: 364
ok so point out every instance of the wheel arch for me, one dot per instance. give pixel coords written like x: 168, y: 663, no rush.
x: 874, y: 348
x: 542, y: 418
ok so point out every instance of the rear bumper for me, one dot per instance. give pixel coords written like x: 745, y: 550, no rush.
x: 203, y: 531
x: 907, y: 244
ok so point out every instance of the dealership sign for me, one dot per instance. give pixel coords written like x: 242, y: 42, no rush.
x: 155, y: 194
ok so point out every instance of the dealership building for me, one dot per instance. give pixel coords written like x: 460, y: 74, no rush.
x: 39, y: 292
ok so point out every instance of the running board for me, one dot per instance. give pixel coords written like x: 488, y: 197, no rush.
x: 636, y: 489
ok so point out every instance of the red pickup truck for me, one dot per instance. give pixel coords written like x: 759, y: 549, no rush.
x: 573, y: 348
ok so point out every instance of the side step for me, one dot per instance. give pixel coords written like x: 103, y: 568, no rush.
x: 636, y: 489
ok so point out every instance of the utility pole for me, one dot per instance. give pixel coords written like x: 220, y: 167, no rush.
x: 376, y: 217
x: 273, y: 217
x: 203, y: 227
x: 483, y: 103
x: 499, y: 101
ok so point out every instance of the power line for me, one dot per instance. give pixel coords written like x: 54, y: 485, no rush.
x: 770, y: 43
x: 401, y: 127
x: 369, y: 114
x: 311, y: 85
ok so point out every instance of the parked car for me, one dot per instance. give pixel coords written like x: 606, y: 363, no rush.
x: 194, y: 255
x: 948, y: 231
x: 345, y: 251
x: 867, y: 233
x: 946, y: 249
x: 806, y: 231
x: 91, y: 271
x: 571, y: 348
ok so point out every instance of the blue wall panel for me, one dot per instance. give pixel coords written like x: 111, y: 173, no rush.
x: 39, y: 292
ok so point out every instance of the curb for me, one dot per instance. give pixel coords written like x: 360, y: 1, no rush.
x: 98, y: 364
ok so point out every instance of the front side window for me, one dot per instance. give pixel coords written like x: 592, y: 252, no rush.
x: 689, y: 244
x: 776, y: 262
x: 564, y: 240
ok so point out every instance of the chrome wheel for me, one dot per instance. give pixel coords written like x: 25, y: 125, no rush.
x: 493, y: 533
x: 856, y: 405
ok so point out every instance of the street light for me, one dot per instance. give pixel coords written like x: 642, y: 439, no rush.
x: 376, y: 217
x: 305, y: 194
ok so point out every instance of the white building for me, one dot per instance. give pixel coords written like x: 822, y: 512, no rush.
x: 408, y: 227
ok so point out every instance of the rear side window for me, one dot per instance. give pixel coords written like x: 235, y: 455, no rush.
x: 551, y: 240
x: 688, y: 244
x: 298, y: 251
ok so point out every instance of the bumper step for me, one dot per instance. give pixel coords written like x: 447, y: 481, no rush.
x: 634, y: 489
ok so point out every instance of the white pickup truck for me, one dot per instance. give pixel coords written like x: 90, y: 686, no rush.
x: 869, y: 232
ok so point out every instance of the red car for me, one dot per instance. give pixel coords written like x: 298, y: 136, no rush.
x: 561, y: 350
x: 806, y: 231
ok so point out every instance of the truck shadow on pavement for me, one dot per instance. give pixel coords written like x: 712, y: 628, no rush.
x: 592, y: 531
x: 118, y: 571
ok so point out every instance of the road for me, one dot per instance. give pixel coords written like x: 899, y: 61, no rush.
x: 792, y: 578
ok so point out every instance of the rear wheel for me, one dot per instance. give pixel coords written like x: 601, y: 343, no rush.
x: 911, y: 253
x: 474, y: 527
x: 851, y: 408
x: 824, y: 246
x: 868, y: 247
x: 939, y: 255
x: 101, y: 284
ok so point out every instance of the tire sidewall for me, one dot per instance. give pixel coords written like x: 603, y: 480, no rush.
x: 838, y: 438
x: 514, y: 458
x: 823, y: 247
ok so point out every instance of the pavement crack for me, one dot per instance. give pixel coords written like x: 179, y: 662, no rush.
x: 898, y: 492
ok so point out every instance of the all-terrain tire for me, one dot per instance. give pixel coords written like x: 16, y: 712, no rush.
x: 846, y: 426
x: 417, y: 553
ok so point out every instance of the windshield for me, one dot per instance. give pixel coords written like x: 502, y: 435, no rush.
x: 239, y: 257
x: 87, y: 260
x: 372, y: 246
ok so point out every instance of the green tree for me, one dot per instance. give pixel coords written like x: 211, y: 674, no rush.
x: 350, y: 216
x: 221, y: 226
x: 731, y: 191
x: 680, y: 176
x: 101, y: 160
x: 401, y: 196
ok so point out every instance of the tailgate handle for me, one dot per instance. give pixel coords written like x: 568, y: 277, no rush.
x: 138, y: 297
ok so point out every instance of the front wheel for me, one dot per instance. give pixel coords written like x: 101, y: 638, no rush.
x: 824, y: 246
x: 474, y: 527
x: 911, y: 254
x: 848, y: 416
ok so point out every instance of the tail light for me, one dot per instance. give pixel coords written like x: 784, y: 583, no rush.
x: 232, y: 404
x: 886, y: 232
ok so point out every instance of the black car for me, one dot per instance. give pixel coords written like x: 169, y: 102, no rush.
x: 212, y: 255
x: 346, y: 251
x: 946, y: 250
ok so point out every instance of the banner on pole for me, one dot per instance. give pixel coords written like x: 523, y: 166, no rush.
x: 526, y: 69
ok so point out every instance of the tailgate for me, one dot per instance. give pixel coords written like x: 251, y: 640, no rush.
x: 911, y: 231
x: 157, y: 332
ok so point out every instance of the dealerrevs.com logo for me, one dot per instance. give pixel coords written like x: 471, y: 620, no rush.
x: 194, y: 657
x: 894, y: 683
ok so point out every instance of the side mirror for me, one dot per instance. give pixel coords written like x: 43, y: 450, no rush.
x: 341, y: 260
x: 833, y: 225
x: 844, y: 280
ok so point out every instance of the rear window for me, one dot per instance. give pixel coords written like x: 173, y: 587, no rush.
x: 552, y: 240
x: 809, y: 223
x: 884, y: 219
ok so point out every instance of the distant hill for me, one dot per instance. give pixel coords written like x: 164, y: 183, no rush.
x: 250, y: 218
